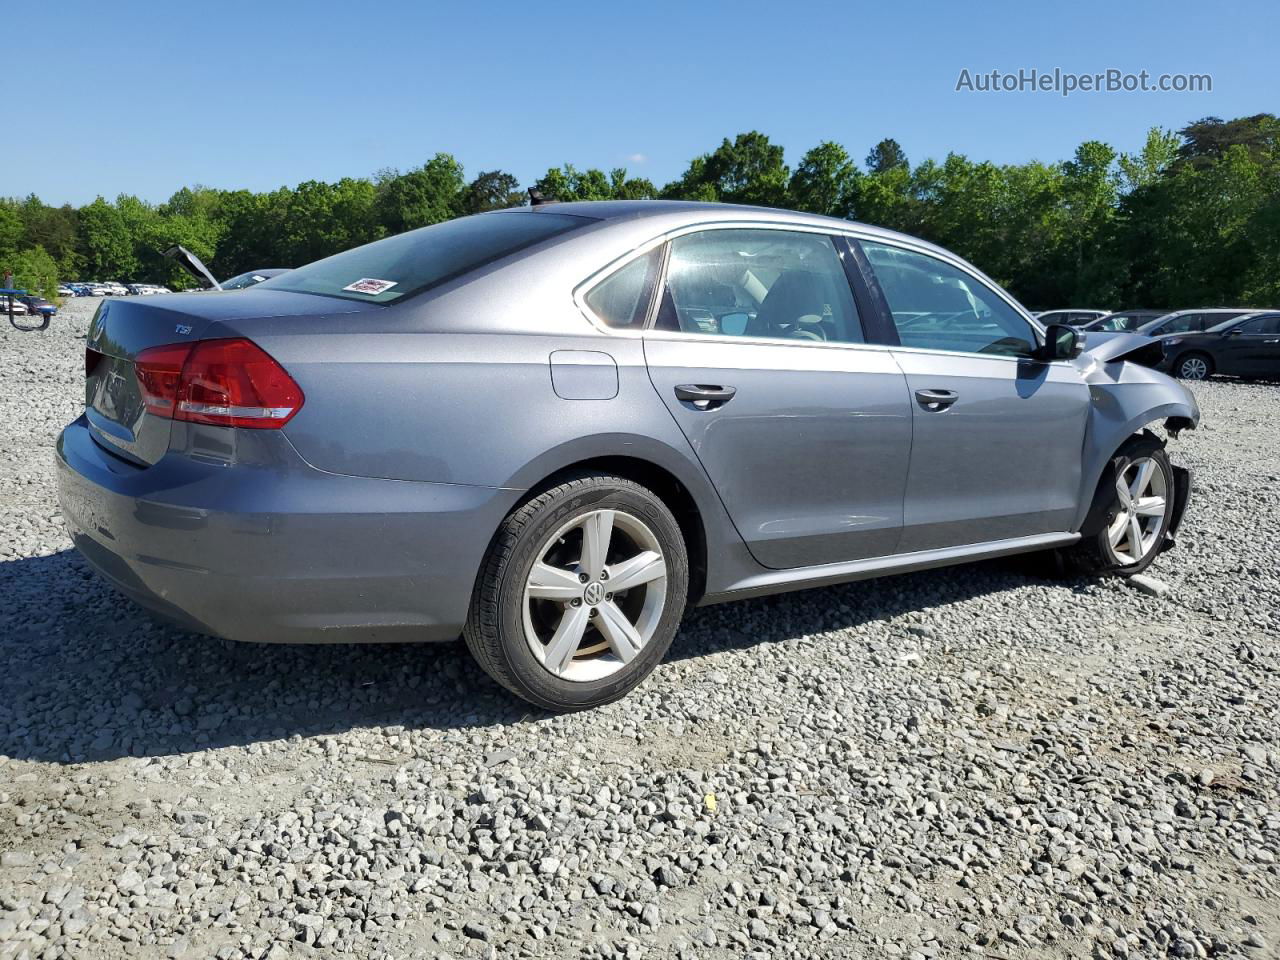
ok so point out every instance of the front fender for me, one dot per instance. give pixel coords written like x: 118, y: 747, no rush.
x: 1125, y: 397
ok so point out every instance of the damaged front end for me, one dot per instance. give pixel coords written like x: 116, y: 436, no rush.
x: 1129, y: 396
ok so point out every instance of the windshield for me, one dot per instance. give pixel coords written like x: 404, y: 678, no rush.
x: 1120, y: 321
x: 411, y: 262
x: 242, y: 280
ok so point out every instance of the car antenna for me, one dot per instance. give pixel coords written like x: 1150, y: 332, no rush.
x: 536, y: 199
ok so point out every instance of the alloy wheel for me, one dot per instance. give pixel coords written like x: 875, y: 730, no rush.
x: 594, y: 595
x: 1142, y: 492
x: 1193, y: 368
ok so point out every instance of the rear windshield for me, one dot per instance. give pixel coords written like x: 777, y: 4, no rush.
x: 411, y: 262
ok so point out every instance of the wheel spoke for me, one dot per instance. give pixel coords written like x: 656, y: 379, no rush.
x: 644, y: 567
x: 553, y: 583
x: 1115, y: 533
x: 566, y: 640
x: 1150, y: 507
x: 1143, y: 478
x: 1122, y: 491
x: 597, y: 528
x: 1135, y: 538
x: 617, y: 629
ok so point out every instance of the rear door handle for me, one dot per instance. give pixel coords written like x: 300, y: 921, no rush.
x: 936, y: 400
x: 705, y: 396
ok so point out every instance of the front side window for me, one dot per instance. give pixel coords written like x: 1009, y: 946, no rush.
x: 622, y: 298
x: 774, y: 284
x: 1265, y: 325
x: 408, y: 263
x: 940, y: 307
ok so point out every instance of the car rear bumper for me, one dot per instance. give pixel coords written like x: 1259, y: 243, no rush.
x: 278, y: 552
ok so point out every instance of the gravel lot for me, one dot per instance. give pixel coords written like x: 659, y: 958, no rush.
x: 974, y: 761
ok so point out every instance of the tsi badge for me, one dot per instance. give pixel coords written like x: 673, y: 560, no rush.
x: 182, y: 328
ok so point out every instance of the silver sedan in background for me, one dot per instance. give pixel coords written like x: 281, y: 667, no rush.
x: 551, y: 429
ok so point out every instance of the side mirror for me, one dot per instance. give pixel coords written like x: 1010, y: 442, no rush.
x: 734, y: 324
x: 1061, y: 342
x: 1233, y: 332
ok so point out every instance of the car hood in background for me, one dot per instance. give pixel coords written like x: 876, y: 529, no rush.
x: 1111, y: 346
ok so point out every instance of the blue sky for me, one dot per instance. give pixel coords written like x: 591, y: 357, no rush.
x: 146, y: 97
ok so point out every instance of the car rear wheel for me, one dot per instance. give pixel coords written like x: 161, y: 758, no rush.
x: 580, y: 594
x: 1135, y: 505
x: 1194, y: 366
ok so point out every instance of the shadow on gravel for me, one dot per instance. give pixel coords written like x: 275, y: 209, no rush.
x: 89, y: 676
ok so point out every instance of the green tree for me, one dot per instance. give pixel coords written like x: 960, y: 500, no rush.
x: 491, y: 190
x: 825, y: 181
x: 885, y: 156
x: 1207, y: 141
x: 107, y: 246
x: 431, y: 194
x: 35, y: 270
x: 748, y: 169
x: 11, y: 230
x: 1149, y: 164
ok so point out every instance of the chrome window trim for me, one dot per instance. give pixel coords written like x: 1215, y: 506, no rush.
x: 585, y: 286
x: 851, y: 232
x: 965, y: 268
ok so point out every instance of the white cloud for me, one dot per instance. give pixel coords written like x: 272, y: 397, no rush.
x: 635, y: 159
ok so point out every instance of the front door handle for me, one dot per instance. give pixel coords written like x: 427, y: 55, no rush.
x: 705, y: 396
x: 936, y: 400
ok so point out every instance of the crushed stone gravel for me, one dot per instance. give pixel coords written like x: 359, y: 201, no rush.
x: 978, y: 761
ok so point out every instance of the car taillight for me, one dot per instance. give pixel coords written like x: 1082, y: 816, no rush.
x: 227, y: 383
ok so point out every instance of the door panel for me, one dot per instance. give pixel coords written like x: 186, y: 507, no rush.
x: 1250, y: 350
x: 809, y: 455
x: 1003, y: 460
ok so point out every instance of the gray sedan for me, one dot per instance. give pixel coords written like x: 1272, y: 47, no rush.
x: 551, y: 429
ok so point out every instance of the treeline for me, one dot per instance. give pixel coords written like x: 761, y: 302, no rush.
x: 1191, y: 219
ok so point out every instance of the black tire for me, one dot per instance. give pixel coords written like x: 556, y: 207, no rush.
x: 1186, y: 366
x: 1094, y: 553
x: 495, y: 631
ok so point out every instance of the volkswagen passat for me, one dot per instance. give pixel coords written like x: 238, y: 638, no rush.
x: 550, y: 429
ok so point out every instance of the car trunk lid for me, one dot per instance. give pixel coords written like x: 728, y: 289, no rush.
x: 121, y: 329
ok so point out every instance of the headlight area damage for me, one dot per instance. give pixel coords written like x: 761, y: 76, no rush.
x: 1129, y: 396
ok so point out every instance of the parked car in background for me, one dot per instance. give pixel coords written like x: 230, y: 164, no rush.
x: 243, y: 280
x: 35, y: 304
x: 97, y: 289
x: 548, y: 429
x: 1245, y: 346
x: 12, y: 304
x: 116, y: 289
x: 1123, y: 321
x: 1073, y: 317
x: 194, y: 266
x: 1192, y: 321
x: 66, y: 290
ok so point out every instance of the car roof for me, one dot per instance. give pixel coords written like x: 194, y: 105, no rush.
x: 672, y: 214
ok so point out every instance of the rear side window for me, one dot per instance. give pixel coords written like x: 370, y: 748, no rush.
x: 940, y: 307
x: 409, y: 263
x: 622, y: 298
x: 1187, y: 323
x: 774, y: 284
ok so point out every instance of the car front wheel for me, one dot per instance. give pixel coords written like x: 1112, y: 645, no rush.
x: 580, y: 594
x: 1136, y: 499
x: 1194, y: 366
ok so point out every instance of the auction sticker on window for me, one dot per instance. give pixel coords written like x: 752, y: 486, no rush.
x: 370, y: 286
